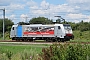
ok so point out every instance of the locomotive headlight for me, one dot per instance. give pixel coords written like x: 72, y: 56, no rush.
x: 68, y: 34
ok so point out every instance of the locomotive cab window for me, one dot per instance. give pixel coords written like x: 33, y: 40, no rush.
x: 59, y: 27
x: 67, y: 26
x: 12, y: 28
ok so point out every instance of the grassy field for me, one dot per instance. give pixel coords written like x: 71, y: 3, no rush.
x: 6, y: 37
x: 14, y: 51
x: 81, y: 36
x: 15, y: 48
x: 9, y: 51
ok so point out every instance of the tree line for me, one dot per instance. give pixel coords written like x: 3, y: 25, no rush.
x: 82, y: 26
x: 8, y: 24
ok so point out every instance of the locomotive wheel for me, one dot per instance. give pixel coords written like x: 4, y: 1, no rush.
x: 62, y: 40
x: 54, y: 40
x: 48, y: 40
x: 30, y: 40
x: 13, y: 38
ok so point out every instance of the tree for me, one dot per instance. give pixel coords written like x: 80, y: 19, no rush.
x: 23, y: 23
x: 58, y: 21
x: 8, y: 25
x: 40, y: 20
x: 82, y: 26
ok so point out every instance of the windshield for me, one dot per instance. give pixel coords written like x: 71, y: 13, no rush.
x: 66, y: 26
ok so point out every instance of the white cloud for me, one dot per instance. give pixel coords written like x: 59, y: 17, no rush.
x: 4, y: 2
x: 78, y: 1
x: 12, y: 16
x: 63, y: 8
x: 39, y: 9
x: 12, y: 7
x: 88, y: 19
x: 84, y: 5
x: 44, y: 4
x: 39, y: 12
x: 23, y: 17
x: 8, y: 2
x: 16, y: 6
x: 34, y: 7
x: 32, y: 4
x: 1, y: 16
x: 53, y: 10
x: 76, y: 16
x: 74, y: 9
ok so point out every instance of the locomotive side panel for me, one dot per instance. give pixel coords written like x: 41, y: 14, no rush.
x: 16, y: 32
x: 28, y: 32
x: 38, y: 31
x: 59, y: 31
x: 19, y: 31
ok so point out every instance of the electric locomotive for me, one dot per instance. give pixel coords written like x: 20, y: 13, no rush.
x: 52, y: 32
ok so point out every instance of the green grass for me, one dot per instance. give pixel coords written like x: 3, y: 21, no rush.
x: 15, y: 48
x: 80, y: 40
x: 16, y: 51
x: 6, y: 36
x: 81, y: 36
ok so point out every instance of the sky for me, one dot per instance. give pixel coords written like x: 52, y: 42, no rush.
x: 24, y: 10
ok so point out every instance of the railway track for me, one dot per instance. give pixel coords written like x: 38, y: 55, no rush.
x: 40, y: 42
x: 26, y: 42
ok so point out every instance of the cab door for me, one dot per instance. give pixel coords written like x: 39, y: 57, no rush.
x: 58, y: 32
x: 12, y: 33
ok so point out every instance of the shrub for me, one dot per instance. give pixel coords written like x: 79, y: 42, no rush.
x: 6, y: 55
x: 76, y: 52
x: 23, y: 55
x: 65, y: 52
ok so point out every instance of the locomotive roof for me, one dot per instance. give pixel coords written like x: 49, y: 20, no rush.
x: 33, y: 25
x: 37, y: 25
x: 44, y: 25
